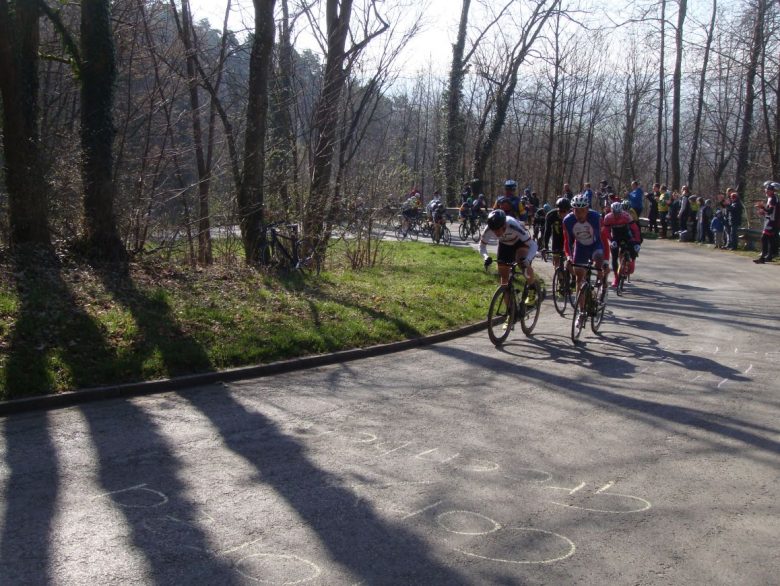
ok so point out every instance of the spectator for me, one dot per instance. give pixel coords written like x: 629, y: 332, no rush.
x: 588, y: 193
x: 674, y: 213
x: 652, y: 214
x: 636, y: 196
x: 664, y: 200
x: 734, y: 216
x: 685, y: 214
x: 768, y: 210
x: 718, y: 227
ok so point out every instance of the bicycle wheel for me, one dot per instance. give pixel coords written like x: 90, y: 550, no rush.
x: 463, y: 231
x: 599, y: 302
x: 580, y: 313
x: 400, y: 233
x: 446, y: 235
x: 414, y: 231
x: 501, y: 315
x: 477, y: 232
x: 560, y: 285
x: 264, y: 256
x: 529, y: 314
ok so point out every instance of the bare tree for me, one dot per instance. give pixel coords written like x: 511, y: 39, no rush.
x: 677, y: 91
x: 27, y: 201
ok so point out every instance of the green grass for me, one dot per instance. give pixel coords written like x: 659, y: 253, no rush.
x: 67, y: 325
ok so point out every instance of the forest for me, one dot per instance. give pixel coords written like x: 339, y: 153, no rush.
x: 135, y: 127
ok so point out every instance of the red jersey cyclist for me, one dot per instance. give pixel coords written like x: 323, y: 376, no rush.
x: 620, y: 229
x: 515, y: 245
x: 582, y: 240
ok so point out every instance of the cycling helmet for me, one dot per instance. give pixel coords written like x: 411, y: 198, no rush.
x: 496, y: 219
x: 771, y: 185
x: 510, y: 184
x: 563, y: 204
x: 579, y: 201
x: 501, y: 199
x: 524, y: 199
x: 617, y: 207
x: 626, y: 205
x: 527, y: 191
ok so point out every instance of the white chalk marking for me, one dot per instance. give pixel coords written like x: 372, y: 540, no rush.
x: 496, y: 525
x: 548, y: 476
x: 421, y: 511
x: 645, y: 505
x: 401, y: 447
x: 572, y: 549
x: 421, y: 454
x: 749, y: 369
x: 717, y: 349
x: 571, y: 490
x: 138, y: 487
x: 697, y: 377
x: 242, y: 546
x: 316, y: 571
x: 605, y: 487
x: 486, y: 466
x: 723, y: 382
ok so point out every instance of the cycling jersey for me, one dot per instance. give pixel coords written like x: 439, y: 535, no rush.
x: 553, y: 228
x: 514, y: 237
x: 582, y: 239
x: 621, y: 227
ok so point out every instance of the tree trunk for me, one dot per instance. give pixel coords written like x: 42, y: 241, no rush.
x: 251, y: 196
x: 700, y: 103
x: 676, y: 173
x: 743, y: 154
x: 451, y: 148
x: 98, y: 74
x: 27, y: 194
x: 659, y: 136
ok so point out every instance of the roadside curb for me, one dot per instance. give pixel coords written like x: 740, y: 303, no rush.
x: 124, y: 391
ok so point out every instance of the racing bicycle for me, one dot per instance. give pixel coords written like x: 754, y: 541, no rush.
x: 591, y: 303
x: 510, y: 304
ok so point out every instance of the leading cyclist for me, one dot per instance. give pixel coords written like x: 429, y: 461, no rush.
x: 515, y: 245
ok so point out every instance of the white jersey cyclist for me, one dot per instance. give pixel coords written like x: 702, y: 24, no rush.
x: 512, y: 236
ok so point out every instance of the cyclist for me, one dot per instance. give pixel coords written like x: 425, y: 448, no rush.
x: 553, y: 228
x: 410, y: 209
x: 582, y: 240
x: 437, y: 208
x: 504, y: 204
x: 510, y: 187
x: 515, y: 245
x: 622, y: 231
x: 629, y: 209
x: 479, y: 207
x: 539, y: 220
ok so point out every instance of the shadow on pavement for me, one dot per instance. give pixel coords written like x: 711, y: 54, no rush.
x: 373, y: 549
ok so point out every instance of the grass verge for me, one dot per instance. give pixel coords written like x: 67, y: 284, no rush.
x: 66, y: 325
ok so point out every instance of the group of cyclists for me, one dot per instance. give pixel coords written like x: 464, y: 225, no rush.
x: 580, y: 236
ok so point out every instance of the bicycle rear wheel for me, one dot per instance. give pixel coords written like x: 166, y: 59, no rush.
x: 463, y: 231
x: 599, y: 301
x: 580, y: 313
x: 308, y: 257
x: 446, y: 235
x: 529, y: 314
x: 560, y: 285
x: 501, y: 315
x: 477, y: 232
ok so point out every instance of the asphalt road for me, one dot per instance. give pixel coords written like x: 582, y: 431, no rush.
x: 648, y: 455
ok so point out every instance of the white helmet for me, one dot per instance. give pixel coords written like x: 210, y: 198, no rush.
x: 579, y: 201
x: 617, y: 207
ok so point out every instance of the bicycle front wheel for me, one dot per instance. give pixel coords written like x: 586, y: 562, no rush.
x: 580, y: 312
x: 308, y: 257
x: 446, y: 235
x: 501, y: 315
x: 560, y: 285
x: 477, y: 232
x: 599, y: 302
x: 529, y: 314
x: 463, y: 231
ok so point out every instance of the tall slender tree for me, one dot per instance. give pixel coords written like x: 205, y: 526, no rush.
x: 98, y: 74
x: 676, y: 93
x: 27, y: 194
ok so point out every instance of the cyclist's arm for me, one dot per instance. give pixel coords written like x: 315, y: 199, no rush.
x: 483, y: 244
x: 635, y: 234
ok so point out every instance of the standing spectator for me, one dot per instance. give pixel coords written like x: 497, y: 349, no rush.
x: 684, y: 215
x: 567, y: 193
x: 588, y: 193
x: 664, y: 199
x: 768, y: 210
x: 636, y: 196
x: 699, y: 219
x: 674, y: 213
x: 652, y: 214
x: 604, y: 200
x: 718, y: 227
x: 707, y: 220
x: 734, y: 216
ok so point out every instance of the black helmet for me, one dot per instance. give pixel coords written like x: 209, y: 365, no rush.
x: 563, y: 204
x: 496, y: 219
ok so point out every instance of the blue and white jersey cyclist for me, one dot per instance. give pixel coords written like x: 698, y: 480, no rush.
x: 582, y: 239
x: 515, y: 245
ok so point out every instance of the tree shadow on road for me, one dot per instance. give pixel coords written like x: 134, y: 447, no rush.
x: 375, y: 550
x: 30, y: 501
x: 649, y: 411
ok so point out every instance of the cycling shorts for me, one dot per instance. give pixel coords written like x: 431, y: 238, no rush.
x: 507, y: 253
x: 582, y: 254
